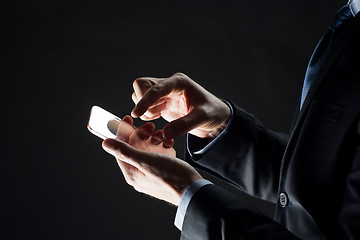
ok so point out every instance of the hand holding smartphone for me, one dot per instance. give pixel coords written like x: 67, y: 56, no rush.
x: 106, y: 125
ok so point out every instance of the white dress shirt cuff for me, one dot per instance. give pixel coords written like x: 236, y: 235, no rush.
x: 185, y: 200
x: 354, y: 6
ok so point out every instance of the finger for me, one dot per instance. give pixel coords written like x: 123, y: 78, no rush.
x: 145, y: 131
x: 126, y: 153
x: 168, y: 143
x: 153, y: 112
x: 134, y: 98
x: 146, y: 118
x: 182, y: 125
x: 141, y: 86
x: 157, y: 137
x: 153, y: 95
x: 128, y: 119
x: 156, y: 110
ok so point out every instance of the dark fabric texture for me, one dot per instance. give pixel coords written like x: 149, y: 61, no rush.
x: 341, y: 18
x: 317, y: 167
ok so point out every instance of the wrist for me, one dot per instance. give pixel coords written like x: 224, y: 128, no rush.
x: 183, y: 183
x: 196, y: 176
x: 225, y: 114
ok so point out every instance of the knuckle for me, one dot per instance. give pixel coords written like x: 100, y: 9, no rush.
x: 156, y: 90
x: 131, y: 178
x: 142, y: 83
x: 182, y: 80
x: 128, y: 180
x: 179, y: 74
x: 136, y: 82
x: 138, y: 188
x: 186, y: 123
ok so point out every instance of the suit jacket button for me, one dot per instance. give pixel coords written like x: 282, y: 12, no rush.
x: 283, y: 200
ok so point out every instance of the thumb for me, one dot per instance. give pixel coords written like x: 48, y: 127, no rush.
x: 124, y: 152
x: 185, y: 124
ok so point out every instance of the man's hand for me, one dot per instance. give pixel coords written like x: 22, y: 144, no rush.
x: 183, y: 103
x: 159, y: 175
x: 144, y: 139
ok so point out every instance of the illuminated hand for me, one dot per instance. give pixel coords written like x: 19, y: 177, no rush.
x: 154, y: 170
x: 183, y: 103
x: 143, y: 138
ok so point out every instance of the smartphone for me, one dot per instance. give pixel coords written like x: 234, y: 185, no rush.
x: 106, y: 125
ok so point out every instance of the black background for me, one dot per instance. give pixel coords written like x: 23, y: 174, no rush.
x: 61, y: 57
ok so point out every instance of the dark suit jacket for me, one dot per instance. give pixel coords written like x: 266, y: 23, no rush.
x: 317, y: 167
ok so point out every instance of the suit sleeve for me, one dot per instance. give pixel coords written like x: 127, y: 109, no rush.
x: 247, y: 155
x: 349, y: 216
x: 213, y: 213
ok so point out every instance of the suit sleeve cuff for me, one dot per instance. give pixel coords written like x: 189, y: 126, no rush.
x: 198, y: 147
x: 185, y: 200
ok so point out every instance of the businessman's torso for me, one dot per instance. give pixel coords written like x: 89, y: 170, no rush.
x: 323, y: 145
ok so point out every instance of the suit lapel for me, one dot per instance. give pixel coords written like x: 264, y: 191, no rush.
x: 345, y: 38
